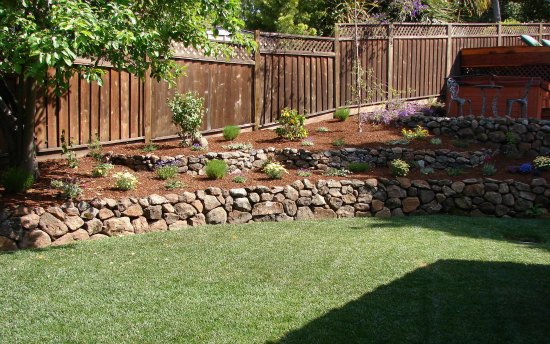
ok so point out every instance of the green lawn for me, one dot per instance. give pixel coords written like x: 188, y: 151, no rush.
x: 416, y: 279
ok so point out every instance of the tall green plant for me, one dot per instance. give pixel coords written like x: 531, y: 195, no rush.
x: 187, y: 112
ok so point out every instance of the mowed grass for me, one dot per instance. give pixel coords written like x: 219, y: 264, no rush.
x: 409, y: 280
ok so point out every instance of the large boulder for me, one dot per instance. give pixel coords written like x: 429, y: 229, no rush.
x: 52, y: 225
x: 118, y: 227
x: 216, y: 216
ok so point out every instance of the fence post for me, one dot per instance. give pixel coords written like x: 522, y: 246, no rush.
x: 337, y: 62
x: 449, y: 48
x: 540, y: 30
x: 499, y: 32
x: 390, y: 62
x: 257, y: 81
x: 148, y: 106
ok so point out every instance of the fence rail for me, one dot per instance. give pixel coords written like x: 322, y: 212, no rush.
x: 314, y: 75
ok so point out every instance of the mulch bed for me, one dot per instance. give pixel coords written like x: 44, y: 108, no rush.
x: 372, y: 136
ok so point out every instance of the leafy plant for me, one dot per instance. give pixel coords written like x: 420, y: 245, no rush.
x: 341, y: 114
x: 461, y: 143
x: 67, y: 151
x: 292, y: 125
x: 525, y: 168
x: 307, y: 142
x: 322, y: 130
x: 239, y: 179
x: 196, y: 147
x: 542, y: 162
x: 436, y: 141
x: 216, y: 169
x: 69, y: 188
x: 150, y: 147
x: 336, y: 172
x: 174, y: 184
x: 511, y: 138
x: 339, y: 142
x: 534, y: 211
x: 125, y: 181
x: 418, y: 133
x: 427, y: 170
x: 359, y: 167
x: 489, y: 169
x: 399, y: 167
x: 101, y: 170
x: 187, y: 113
x: 95, y: 149
x: 231, y: 132
x: 17, y: 180
x: 274, y: 170
x: 304, y: 173
x: 454, y: 171
x: 238, y: 146
x: 167, y: 172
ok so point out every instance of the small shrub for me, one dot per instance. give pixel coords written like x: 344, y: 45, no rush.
x: 418, y: 133
x: 125, y: 181
x: 525, y: 168
x: 174, y: 184
x: 239, y: 179
x: 150, y: 147
x: 231, y: 132
x: 460, y: 143
x: 167, y: 172
x: 69, y: 188
x: 238, y: 146
x: 358, y: 167
x: 307, y: 142
x: 101, y: 170
x: 454, y: 171
x: 95, y: 149
x: 196, y: 147
x: 542, y: 162
x: 291, y: 125
x: 304, y: 173
x: 216, y: 169
x: 336, y: 172
x: 17, y: 180
x: 67, y: 151
x: 489, y: 169
x: 427, y: 171
x: 274, y: 170
x: 322, y: 130
x: 341, y: 114
x: 436, y: 141
x: 339, y: 142
x: 187, y: 113
x: 399, y: 167
x: 534, y: 211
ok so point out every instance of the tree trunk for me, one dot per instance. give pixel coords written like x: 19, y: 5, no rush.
x: 27, y: 157
x: 496, y: 11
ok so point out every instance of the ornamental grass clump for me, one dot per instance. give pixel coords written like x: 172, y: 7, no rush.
x: 358, y: 167
x: 16, y: 180
x: 292, y: 125
x: 167, y: 172
x: 341, y: 114
x: 216, y: 169
x: 187, y: 113
x: 274, y: 170
x: 125, y: 181
x: 231, y: 132
x: 399, y: 168
x: 101, y: 170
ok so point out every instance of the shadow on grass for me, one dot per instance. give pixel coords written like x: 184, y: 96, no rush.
x: 533, y: 233
x: 450, y: 301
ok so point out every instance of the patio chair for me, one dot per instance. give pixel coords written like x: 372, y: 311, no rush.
x: 453, y: 88
x: 522, y: 101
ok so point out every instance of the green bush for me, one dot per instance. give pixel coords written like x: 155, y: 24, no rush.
x: 339, y: 142
x: 125, y: 181
x: 216, y: 169
x: 231, y: 132
x: 489, y: 170
x: 399, y: 168
x: 69, y: 188
x: 239, y: 179
x: 101, y: 170
x: 17, y: 180
x: 187, y: 112
x: 359, y: 167
x: 341, y: 114
x: 174, y: 184
x: 167, y: 172
x: 274, y: 170
x: 150, y: 147
x: 454, y: 171
x: 292, y: 125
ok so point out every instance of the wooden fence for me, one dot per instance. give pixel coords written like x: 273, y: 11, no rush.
x: 314, y: 75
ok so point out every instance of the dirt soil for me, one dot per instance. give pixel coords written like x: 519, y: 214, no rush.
x: 372, y: 137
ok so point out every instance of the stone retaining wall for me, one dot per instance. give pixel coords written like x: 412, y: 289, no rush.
x: 100, y: 218
x: 524, y: 136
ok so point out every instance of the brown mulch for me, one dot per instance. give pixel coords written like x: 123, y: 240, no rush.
x: 373, y: 136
